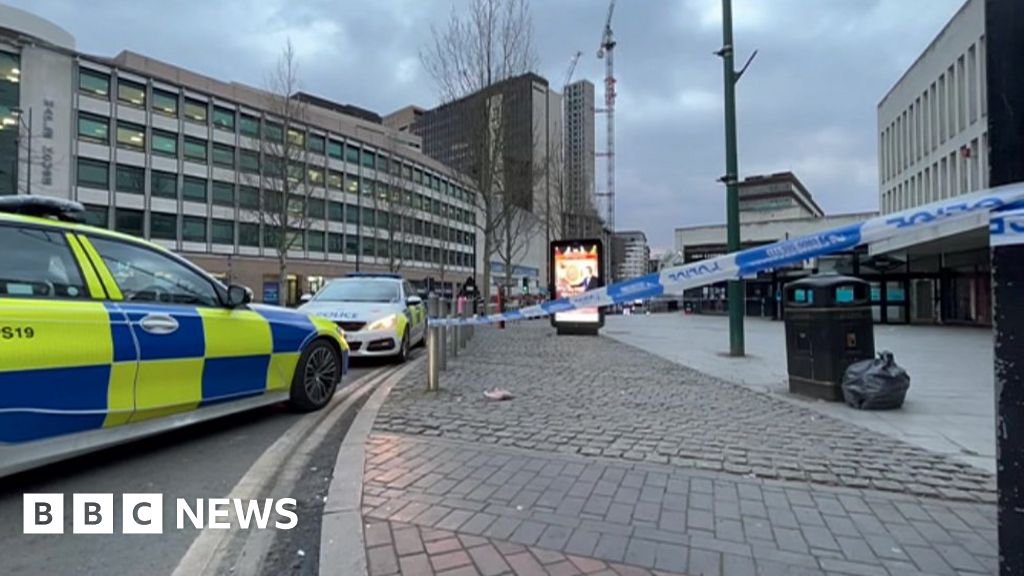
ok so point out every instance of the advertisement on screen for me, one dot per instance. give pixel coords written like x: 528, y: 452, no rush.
x: 576, y: 267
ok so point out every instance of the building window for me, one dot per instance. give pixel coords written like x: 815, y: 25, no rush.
x: 93, y: 174
x: 195, y: 150
x: 224, y: 155
x: 316, y: 176
x: 335, y: 149
x: 961, y: 94
x: 336, y: 211
x: 130, y: 179
x: 165, y: 102
x: 94, y: 83
x: 131, y: 136
x: 335, y: 243
x: 316, y: 143
x: 315, y: 208
x: 296, y: 137
x: 163, y: 226
x: 369, y: 246
x: 224, y: 118
x: 352, y: 154
x: 129, y: 221
x: 249, y: 197
x: 315, y: 240
x: 93, y: 128
x: 351, y: 244
x: 165, y: 143
x: 195, y: 110
x: 249, y: 125
x: 369, y: 160
x: 972, y: 83
x: 351, y: 214
x: 334, y: 180
x: 368, y: 217
x: 248, y: 234
x: 249, y: 161
x: 193, y: 189
x: 223, y: 193
x: 163, y: 184
x: 274, y: 132
x: 223, y: 231
x: 193, y: 229
x: 97, y: 216
x: 131, y: 93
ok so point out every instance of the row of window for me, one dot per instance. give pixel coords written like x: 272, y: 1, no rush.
x: 950, y: 176
x: 167, y: 103
x: 132, y: 180
x: 954, y: 101
x: 95, y: 174
x: 132, y: 136
x: 164, y: 226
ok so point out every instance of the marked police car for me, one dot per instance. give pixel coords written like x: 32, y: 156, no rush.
x: 380, y: 313
x: 106, y: 338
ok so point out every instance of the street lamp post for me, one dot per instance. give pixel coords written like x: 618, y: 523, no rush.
x: 28, y: 153
x: 737, y: 300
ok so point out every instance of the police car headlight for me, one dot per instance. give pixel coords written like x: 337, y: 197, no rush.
x: 385, y: 323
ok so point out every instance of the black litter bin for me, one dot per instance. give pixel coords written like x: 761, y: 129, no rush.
x: 828, y: 327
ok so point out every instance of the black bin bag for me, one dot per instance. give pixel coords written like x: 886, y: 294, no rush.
x: 876, y: 384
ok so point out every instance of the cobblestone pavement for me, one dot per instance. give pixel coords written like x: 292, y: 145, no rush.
x: 433, y: 505
x: 596, y: 397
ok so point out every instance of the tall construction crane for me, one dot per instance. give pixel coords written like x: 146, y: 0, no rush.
x: 606, y: 52
x: 572, y: 69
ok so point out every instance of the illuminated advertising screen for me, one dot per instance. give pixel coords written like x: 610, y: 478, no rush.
x: 577, y: 266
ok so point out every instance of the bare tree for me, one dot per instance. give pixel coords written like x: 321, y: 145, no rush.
x: 490, y: 42
x: 397, y: 201
x: 283, y: 176
x: 517, y: 227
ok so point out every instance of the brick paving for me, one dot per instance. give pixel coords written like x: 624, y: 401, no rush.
x: 439, y: 506
x: 598, y: 398
x: 395, y: 548
x: 611, y: 461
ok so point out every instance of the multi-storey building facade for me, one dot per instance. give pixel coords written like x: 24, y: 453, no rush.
x: 526, y: 114
x: 932, y: 145
x: 630, y: 255
x: 580, y: 218
x: 160, y: 152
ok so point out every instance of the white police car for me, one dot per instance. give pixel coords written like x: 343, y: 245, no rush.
x: 380, y: 313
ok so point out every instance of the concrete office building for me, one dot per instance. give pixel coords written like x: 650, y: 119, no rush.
x: 630, y: 255
x: 528, y: 114
x: 773, y: 207
x: 163, y: 153
x: 580, y: 218
x: 932, y: 145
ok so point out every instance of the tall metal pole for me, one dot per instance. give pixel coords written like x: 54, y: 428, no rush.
x: 732, y: 201
x: 1004, y: 30
x: 28, y: 156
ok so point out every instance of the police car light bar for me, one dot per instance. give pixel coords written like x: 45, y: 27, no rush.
x: 373, y: 275
x: 43, y: 206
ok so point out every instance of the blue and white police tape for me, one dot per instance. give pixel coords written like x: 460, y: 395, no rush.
x: 752, y: 261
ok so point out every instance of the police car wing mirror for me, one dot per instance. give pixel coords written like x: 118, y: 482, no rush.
x: 305, y: 297
x: 413, y: 300
x: 239, y: 295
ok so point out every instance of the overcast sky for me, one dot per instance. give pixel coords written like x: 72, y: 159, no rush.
x: 807, y: 103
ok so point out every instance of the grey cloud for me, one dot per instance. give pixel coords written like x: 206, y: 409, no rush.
x: 808, y: 102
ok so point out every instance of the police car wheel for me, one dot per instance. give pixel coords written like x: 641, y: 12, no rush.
x: 316, y: 377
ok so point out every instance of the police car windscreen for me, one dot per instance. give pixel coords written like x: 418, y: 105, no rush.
x: 359, y: 291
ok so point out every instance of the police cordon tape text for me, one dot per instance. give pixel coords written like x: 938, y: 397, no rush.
x: 1009, y: 222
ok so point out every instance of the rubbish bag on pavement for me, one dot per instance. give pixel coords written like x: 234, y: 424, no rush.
x: 876, y: 384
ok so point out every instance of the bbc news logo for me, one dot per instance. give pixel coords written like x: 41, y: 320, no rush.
x: 144, y: 513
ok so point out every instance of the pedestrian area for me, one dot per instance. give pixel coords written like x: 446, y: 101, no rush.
x: 610, y: 460
x: 950, y: 406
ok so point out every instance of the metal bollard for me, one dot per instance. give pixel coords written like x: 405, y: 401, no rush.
x: 433, y: 356
x: 453, y: 336
x: 464, y: 329
x: 442, y: 346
